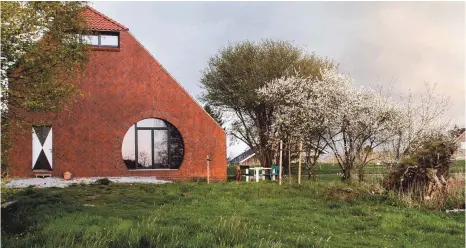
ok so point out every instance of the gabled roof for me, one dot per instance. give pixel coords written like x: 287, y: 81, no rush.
x: 243, y: 156
x: 461, y: 137
x: 101, y: 22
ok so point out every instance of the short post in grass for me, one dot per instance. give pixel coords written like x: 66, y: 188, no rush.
x: 289, y: 161
x: 280, y: 170
x: 299, y: 161
x: 208, y: 169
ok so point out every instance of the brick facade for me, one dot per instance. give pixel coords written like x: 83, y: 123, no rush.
x: 121, y: 86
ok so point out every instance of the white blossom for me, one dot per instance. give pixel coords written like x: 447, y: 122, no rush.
x: 353, y: 118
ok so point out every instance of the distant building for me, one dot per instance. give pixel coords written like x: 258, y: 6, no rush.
x: 460, y: 153
x: 248, y: 157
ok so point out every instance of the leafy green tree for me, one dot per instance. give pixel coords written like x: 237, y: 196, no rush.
x: 234, y: 75
x: 42, y: 53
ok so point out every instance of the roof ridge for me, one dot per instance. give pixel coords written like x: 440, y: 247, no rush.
x: 459, y: 136
x: 178, y: 83
x: 107, y: 18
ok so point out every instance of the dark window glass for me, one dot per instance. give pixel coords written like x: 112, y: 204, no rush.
x: 157, y: 143
x: 176, y: 148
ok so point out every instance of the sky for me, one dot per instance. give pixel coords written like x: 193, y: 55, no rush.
x: 402, y: 44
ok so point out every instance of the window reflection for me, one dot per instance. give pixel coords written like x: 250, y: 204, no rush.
x: 104, y: 39
x: 158, y: 143
x: 109, y: 40
x: 91, y: 39
x: 144, y: 149
x: 152, y: 122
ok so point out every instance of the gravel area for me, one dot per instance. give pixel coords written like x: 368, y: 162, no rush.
x: 61, y: 183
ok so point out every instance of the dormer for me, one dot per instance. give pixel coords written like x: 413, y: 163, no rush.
x: 104, y: 32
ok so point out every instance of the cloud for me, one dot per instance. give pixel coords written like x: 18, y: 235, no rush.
x: 413, y: 43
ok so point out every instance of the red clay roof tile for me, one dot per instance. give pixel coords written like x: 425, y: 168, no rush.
x: 99, y: 21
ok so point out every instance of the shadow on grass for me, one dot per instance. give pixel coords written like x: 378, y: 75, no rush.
x: 29, y: 205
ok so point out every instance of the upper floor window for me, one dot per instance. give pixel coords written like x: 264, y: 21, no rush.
x: 103, y: 39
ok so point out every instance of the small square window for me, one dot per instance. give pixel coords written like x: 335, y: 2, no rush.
x: 109, y: 40
x: 91, y: 40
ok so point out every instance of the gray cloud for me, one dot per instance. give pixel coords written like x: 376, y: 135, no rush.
x: 376, y: 42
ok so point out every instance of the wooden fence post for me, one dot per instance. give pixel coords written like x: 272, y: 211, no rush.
x: 299, y: 162
x: 280, y: 176
x: 289, y: 161
x: 208, y: 169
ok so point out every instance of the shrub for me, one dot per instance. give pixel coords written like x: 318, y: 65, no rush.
x: 421, y: 174
x: 103, y: 181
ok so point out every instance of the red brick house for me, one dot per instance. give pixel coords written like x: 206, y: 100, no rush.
x: 132, y: 119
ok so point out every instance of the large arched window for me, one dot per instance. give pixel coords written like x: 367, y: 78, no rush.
x: 157, y: 143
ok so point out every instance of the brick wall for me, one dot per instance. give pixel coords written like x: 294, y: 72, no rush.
x: 120, y: 87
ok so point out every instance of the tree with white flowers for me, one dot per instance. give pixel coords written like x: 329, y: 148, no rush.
x: 334, y: 113
x: 423, y: 115
x: 232, y: 77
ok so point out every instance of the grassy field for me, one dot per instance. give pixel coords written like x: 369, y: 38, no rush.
x: 322, y: 214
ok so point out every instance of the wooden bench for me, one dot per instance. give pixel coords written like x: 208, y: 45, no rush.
x: 43, y: 175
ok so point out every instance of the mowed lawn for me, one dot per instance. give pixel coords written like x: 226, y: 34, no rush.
x: 323, y: 214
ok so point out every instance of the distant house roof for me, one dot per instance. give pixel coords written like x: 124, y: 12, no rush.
x: 249, y: 153
x: 101, y: 22
x: 461, y: 137
x: 243, y: 156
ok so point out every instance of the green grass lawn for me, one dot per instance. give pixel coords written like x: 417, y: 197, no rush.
x: 322, y: 214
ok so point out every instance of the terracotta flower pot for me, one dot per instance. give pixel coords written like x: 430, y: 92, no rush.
x: 67, y: 175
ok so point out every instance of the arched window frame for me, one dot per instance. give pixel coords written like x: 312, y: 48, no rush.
x: 169, y: 128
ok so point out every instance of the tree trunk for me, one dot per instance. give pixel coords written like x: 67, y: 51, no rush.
x: 361, y: 174
x: 285, y: 160
x: 265, y: 158
x: 346, y: 174
x: 313, y: 173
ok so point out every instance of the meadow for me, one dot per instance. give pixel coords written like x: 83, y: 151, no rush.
x: 224, y: 214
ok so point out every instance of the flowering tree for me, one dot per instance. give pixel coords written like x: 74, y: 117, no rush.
x: 296, y: 120
x: 232, y: 77
x: 422, y: 115
x: 332, y: 112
